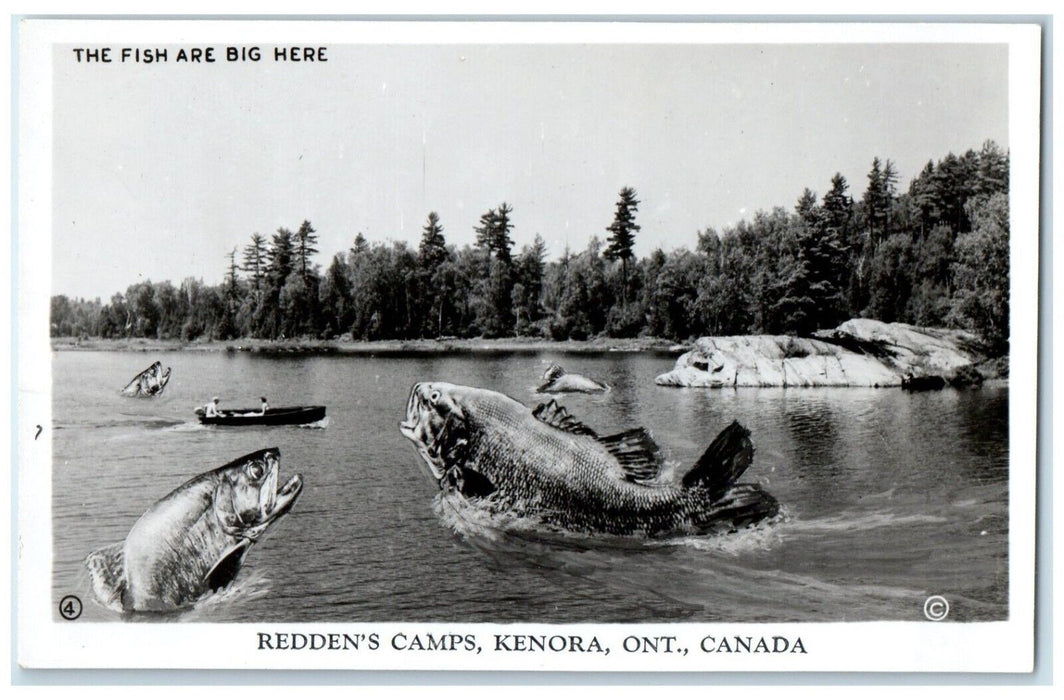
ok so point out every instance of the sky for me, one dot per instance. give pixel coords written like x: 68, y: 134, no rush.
x: 160, y: 170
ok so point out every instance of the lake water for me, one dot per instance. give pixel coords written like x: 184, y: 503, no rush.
x: 887, y: 497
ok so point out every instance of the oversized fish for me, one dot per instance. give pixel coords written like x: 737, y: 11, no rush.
x: 150, y: 382
x: 556, y: 380
x: 546, y: 465
x: 194, y: 540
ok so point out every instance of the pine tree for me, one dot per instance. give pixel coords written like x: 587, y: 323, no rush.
x: 806, y: 207
x: 432, y: 251
x: 280, y: 256
x: 255, y: 261
x: 494, y: 289
x: 993, y: 169
x: 305, y: 242
x: 502, y: 243
x: 888, y: 193
x: 879, y: 200
x: 280, y: 260
x: 837, y: 205
x: 872, y: 200
x: 924, y: 198
x: 486, y: 232
x: 432, y: 256
x: 493, y: 233
x: 231, y: 278
x: 304, y: 296
x: 622, y: 235
x: 227, y: 326
x: 528, y: 289
x: 360, y: 246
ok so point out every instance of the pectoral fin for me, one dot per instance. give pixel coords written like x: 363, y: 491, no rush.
x: 107, y: 574
x: 469, y: 482
x: 226, y: 568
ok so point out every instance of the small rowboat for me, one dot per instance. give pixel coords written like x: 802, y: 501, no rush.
x: 289, y: 415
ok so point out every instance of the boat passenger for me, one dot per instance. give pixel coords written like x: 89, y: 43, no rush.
x: 265, y: 406
x: 211, y: 409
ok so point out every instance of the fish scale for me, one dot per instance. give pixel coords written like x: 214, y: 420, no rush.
x: 569, y: 480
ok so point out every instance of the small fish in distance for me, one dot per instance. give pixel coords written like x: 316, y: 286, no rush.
x: 557, y: 380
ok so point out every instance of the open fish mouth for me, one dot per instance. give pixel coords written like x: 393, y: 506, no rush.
x: 280, y: 503
x: 286, y: 497
x: 413, y: 415
x: 276, y: 502
x: 427, y: 427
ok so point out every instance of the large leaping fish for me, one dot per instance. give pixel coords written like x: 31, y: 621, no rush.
x: 546, y: 465
x: 195, y: 539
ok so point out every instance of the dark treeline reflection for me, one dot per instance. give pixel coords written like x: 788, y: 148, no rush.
x: 934, y: 255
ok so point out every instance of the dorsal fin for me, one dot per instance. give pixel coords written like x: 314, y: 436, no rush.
x: 724, y: 461
x: 553, y: 414
x: 639, y: 456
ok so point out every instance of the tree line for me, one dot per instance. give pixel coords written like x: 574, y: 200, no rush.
x: 936, y: 254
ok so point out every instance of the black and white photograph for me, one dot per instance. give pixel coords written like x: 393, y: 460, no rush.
x: 555, y: 346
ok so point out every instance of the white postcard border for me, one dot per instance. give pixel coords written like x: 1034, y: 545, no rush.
x: 919, y: 646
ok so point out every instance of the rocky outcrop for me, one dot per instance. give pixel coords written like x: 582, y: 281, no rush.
x: 860, y: 352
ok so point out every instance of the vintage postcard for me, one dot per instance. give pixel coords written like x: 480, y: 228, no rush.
x: 560, y: 346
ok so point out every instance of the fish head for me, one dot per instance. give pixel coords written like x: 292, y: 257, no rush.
x: 435, y: 421
x: 247, y: 500
x: 554, y: 371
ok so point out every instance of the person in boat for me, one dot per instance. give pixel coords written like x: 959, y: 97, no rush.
x: 265, y: 406
x: 211, y: 409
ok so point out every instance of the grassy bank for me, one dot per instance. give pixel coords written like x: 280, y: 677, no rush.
x: 296, y: 346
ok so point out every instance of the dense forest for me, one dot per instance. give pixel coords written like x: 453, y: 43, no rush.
x: 934, y: 255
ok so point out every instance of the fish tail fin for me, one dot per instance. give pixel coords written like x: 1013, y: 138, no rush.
x: 742, y: 505
x: 724, y: 461
x: 107, y: 572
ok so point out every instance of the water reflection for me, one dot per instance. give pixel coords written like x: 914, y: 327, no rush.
x: 812, y: 424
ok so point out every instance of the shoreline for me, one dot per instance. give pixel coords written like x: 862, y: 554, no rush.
x: 995, y: 370
x: 372, y: 347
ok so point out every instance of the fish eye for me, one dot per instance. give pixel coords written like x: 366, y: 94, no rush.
x: 255, y: 471
x: 434, y: 396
